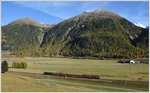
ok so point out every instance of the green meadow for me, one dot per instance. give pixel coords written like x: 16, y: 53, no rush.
x: 106, y: 69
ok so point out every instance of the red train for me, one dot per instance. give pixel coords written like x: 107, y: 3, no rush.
x: 72, y: 75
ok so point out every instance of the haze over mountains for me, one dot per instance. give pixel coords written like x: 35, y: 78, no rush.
x: 100, y: 33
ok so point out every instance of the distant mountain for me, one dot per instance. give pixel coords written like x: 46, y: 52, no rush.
x: 27, y: 20
x: 22, y: 34
x: 100, y: 33
x: 140, y: 25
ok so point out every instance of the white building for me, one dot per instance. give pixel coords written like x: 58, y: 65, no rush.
x: 132, y: 62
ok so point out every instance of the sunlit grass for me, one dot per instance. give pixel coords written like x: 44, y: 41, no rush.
x: 107, y: 69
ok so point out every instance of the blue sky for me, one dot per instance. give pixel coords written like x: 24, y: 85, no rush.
x: 54, y: 12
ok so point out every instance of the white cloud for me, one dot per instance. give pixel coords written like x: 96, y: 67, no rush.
x: 63, y: 10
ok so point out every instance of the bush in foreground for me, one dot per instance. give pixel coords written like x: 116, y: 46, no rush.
x: 4, y: 66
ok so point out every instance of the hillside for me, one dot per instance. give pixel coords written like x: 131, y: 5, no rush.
x: 22, y: 34
x: 142, y: 41
x: 100, y: 33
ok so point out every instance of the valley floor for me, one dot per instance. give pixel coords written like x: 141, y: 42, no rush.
x: 115, y: 76
x: 35, y: 82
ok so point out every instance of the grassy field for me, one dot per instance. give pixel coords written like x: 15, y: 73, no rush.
x: 32, y: 78
x: 25, y: 82
x: 107, y: 69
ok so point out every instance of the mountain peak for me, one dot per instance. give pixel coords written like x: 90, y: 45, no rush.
x: 99, y: 13
x: 105, y: 12
x: 26, y: 20
x: 101, y: 10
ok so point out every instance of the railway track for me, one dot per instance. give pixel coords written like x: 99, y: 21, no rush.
x: 106, y: 80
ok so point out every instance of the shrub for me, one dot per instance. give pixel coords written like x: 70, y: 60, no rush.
x: 19, y: 65
x: 25, y: 65
x: 4, y: 66
x: 13, y: 64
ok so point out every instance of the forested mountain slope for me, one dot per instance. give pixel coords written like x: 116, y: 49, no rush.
x: 100, y: 33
